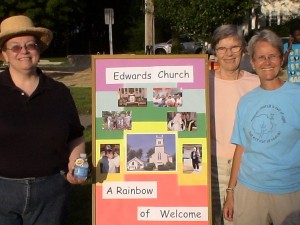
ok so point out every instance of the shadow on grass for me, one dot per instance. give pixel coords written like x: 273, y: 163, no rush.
x: 80, y: 205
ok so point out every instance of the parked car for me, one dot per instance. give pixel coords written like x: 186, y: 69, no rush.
x: 187, y: 46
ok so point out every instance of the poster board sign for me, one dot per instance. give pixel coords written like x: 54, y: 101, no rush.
x: 150, y: 140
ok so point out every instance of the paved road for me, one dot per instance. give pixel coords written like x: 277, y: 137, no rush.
x: 86, y: 120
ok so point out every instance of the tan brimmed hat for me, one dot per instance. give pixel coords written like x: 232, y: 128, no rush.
x: 19, y: 25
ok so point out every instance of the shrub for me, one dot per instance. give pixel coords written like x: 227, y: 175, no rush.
x: 163, y: 168
x: 149, y: 166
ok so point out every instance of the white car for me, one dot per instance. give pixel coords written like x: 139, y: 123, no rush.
x: 187, y: 46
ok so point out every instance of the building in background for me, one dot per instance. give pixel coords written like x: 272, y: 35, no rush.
x: 268, y: 13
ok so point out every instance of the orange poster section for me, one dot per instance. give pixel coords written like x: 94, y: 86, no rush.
x: 169, y: 194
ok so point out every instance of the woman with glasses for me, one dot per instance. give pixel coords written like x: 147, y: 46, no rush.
x: 264, y: 186
x: 227, y: 85
x: 40, y: 132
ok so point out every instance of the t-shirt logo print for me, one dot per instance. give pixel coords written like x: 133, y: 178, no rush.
x: 266, y: 123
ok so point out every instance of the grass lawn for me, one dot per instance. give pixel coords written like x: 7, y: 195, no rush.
x: 83, y: 99
x: 80, y: 210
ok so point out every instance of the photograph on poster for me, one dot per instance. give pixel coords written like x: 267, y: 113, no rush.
x: 116, y: 120
x: 132, y: 97
x: 151, y: 152
x: 109, y: 158
x: 192, y: 158
x: 182, y: 121
x: 167, y: 97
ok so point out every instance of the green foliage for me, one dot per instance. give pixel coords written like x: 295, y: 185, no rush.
x: 139, y: 153
x: 171, y: 166
x: 136, y: 35
x: 64, y: 12
x: 162, y: 168
x: 149, y: 167
x: 198, y: 18
x: 284, y: 29
x: 63, y: 17
x: 79, y: 27
x: 132, y: 154
x: 150, y: 152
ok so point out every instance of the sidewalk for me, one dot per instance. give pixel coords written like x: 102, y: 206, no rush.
x: 86, y: 120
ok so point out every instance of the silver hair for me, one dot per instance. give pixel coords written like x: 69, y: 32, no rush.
x: 225, y: 31
x: 268, y: 36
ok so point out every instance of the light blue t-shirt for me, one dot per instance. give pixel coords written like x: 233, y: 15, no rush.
x: 267, y: 125
x: 293, y: 65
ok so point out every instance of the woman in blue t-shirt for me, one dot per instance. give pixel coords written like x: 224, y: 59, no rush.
x: 264, y: 186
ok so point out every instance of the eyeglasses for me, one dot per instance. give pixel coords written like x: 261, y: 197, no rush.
x: 233, y: 49
x: 264, y: 58
x: 28, y: 46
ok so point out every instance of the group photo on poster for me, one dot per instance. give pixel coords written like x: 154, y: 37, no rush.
x: 167, y: 97
x: 132, y: 97
x: 116, y: 120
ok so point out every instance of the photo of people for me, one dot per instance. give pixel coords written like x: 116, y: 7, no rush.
x: 151, y: 152
x: 192, y: 158
x: 109, y: 158
x: 175, y: 122
x: 181, y: 121
x: 113, y: 120
x: 189, y: 121
x: 167, y: 97
x: 132, y: 97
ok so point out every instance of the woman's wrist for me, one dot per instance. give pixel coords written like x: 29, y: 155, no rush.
x: 229, y: 189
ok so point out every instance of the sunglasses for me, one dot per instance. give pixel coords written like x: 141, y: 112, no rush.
x: 27, y: 46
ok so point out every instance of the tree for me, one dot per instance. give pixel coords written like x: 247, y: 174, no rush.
x: 197, y: 19
x: 78, y: 26
x: 133, y: 153
x: 150, y: 153
x: 130, y: 154
x: 139, y: 153
x: 61, y: 16
x: 284, y: 29
x: 57, y: 15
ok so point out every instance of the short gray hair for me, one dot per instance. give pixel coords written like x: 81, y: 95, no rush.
x: 225, y: 31
x: 268, y: 36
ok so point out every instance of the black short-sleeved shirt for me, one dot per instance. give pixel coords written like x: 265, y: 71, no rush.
x: 35, y: 131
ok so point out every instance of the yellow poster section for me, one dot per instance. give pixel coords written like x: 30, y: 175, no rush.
x: 158, y: 128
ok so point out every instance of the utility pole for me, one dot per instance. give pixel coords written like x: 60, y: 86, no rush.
x: 149, y: 27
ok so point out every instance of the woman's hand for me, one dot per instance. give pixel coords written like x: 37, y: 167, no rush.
x: 228, y: 207
x: 76, y: 147
x: 73, y: 180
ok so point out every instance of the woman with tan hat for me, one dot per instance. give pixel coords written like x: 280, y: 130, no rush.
x: 40, y: 132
